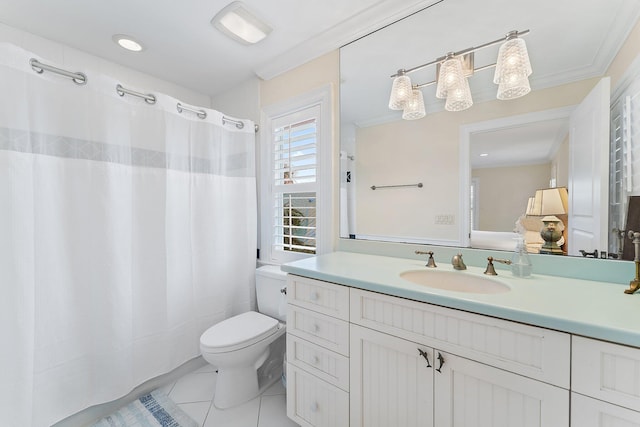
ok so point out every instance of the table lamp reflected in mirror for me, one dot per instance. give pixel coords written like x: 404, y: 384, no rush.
x: 550, y: 202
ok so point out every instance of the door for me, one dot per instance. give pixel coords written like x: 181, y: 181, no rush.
x: 391, y: 381
x: 589, y: 172
x: 471, y: 394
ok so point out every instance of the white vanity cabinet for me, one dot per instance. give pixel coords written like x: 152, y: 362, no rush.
x: 360, y: 358
x: 317, y: 352
x: 606, y: 384
x: 433, y: 366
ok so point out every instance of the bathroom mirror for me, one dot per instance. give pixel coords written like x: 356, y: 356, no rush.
x: 571, y: 45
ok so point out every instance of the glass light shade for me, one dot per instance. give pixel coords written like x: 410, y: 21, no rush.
x: 516, y: 87
x: 414, y: 109
x: 459, y: 97
x: 451, y: 76
x: 513, y: 62
x: 401, y: 92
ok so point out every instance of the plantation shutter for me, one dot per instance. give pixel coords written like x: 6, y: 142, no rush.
x: 624, y: 157
x: 294, y: 172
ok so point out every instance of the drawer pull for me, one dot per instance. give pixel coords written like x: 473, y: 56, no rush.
x: 314, y: 296
x: 314, y: 407
x: 441, y: 360
x: 316, y: 360
x: 426, y: 357
x: 316, y: 328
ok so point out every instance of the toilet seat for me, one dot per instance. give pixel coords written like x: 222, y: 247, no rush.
x: 238, y: 332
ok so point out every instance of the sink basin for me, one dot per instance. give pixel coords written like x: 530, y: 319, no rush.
x: 455, y: 281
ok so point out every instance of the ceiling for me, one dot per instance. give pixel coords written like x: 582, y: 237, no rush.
x: 527, y: 144
x: 183, y: 47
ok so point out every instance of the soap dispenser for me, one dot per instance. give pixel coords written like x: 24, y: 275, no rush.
x: 520, y: 261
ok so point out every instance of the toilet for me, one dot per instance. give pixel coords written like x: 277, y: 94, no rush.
x: 248, y: 349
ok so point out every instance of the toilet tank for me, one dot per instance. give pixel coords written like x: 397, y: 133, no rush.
x: 269, y: 280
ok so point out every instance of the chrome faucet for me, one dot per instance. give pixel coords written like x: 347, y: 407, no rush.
x: 431, y: 262
x: 491, y: 271
x: 458, y: 263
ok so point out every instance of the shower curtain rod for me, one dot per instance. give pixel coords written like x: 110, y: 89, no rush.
x: 39, y: 67
x: 148, y: 97
x: 81, y: 79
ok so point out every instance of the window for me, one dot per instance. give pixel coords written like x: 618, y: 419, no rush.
x: 295, y: 189
x: 294, y: 181
x: 624, y: 157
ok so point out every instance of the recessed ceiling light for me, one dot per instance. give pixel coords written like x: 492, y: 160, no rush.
x: 237, y: 22
x: 127, y: 42
x: 484, y: 154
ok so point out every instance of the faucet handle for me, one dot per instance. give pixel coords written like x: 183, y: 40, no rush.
x: 431, y: 262
x: 491, y: 271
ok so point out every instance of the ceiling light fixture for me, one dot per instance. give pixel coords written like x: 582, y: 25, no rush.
x: 513, y: 69
x: 237, y: 22
x: 127, y: 42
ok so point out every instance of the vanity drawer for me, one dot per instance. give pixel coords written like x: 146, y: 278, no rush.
x: 588, y: 412
x: 606, y: 371
x: 312, y: 402
x: 319, y: 329
x: 328, y: 365
x: 323, y: 297
x: 527, y: 350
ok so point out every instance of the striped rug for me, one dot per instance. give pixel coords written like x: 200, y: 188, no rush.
x: 152, y: 410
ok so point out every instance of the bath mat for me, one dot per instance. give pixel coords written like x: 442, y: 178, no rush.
x: 152, y: 410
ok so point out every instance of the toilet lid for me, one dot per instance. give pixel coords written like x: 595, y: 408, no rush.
x: 238, y: 332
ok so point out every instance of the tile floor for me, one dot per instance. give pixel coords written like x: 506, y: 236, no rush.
x: 193, y: 393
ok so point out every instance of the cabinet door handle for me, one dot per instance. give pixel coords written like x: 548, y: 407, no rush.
x: 426, y: 357
x: 441, y: 360
x: 314, y: 296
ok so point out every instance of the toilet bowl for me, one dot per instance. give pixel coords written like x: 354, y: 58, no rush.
x: 248, y: 348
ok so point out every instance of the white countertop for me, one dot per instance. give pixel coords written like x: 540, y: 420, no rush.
x: 588, y: 308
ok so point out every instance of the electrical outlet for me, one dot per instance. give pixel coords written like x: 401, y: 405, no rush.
x: 445, y: 219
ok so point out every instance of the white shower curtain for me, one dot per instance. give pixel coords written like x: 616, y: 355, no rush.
x: 126, y: 229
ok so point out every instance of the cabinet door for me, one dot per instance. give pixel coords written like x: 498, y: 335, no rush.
x: 391, y: 381
x: 588, y: 412
x: 471, y: 394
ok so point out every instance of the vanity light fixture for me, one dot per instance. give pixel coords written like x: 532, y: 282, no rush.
x: 237, y: 22
x: 128, y: 42
x: 513, y: 69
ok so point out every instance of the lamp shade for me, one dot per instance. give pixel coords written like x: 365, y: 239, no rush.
x: 414, y: 109
x: 459, y: 97
x: 516, y: 87
x: 549, y: 201
x: 401, y: 92
x: 513, y: 61
x: 450, y: 76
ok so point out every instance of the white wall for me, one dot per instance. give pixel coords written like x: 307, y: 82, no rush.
x: 241, y: 102
x: 504, y: 193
